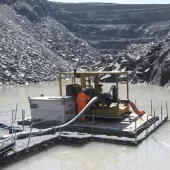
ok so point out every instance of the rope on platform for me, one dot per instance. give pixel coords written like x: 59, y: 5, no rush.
x: 3, y: 112
x: 13, y: 110
x: 13, y: 104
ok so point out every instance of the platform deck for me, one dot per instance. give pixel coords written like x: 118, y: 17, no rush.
x: 127, y: 124
x: 124, y: 127
x: 39, y: 143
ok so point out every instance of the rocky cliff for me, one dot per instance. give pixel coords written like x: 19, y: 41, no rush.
x: 113, y: 26
x: 34, y: 46
x: 40, y: 38
x: 132, y: 37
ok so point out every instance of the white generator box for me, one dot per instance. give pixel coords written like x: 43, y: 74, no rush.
x: 52, y: 108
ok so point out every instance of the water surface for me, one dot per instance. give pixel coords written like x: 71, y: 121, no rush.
x: 153, y: 153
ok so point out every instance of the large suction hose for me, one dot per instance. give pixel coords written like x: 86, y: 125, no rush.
x: 85, y: 109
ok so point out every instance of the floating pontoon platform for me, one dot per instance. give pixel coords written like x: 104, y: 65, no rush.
x: 125, y: 126
x: 127, y: 131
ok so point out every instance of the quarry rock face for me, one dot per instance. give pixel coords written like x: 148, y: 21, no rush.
x: 41, y: 38
x: 34, y: 47
x: 132, y: 38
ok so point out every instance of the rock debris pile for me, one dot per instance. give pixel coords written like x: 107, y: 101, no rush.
x: 39, y: 38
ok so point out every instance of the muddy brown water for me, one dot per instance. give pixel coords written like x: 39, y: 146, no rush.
x: 152, y: 153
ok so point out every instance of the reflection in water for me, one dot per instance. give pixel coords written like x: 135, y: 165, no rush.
x: 153, y: 153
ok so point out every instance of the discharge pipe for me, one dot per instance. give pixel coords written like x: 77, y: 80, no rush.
x: 135, y: 109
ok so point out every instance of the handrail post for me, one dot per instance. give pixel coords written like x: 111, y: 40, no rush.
x: 135, y: 131
x: 12, y: 123
x: 23, y: 118
x: 60, y: 127
x: 147, y: 126
x: 92, y: 127
x: 16, y: 109
x: 161, y: 113
x: 29, y: 137
x: 167, y: 109
x: 151, y: 106
x: 154, y: 121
